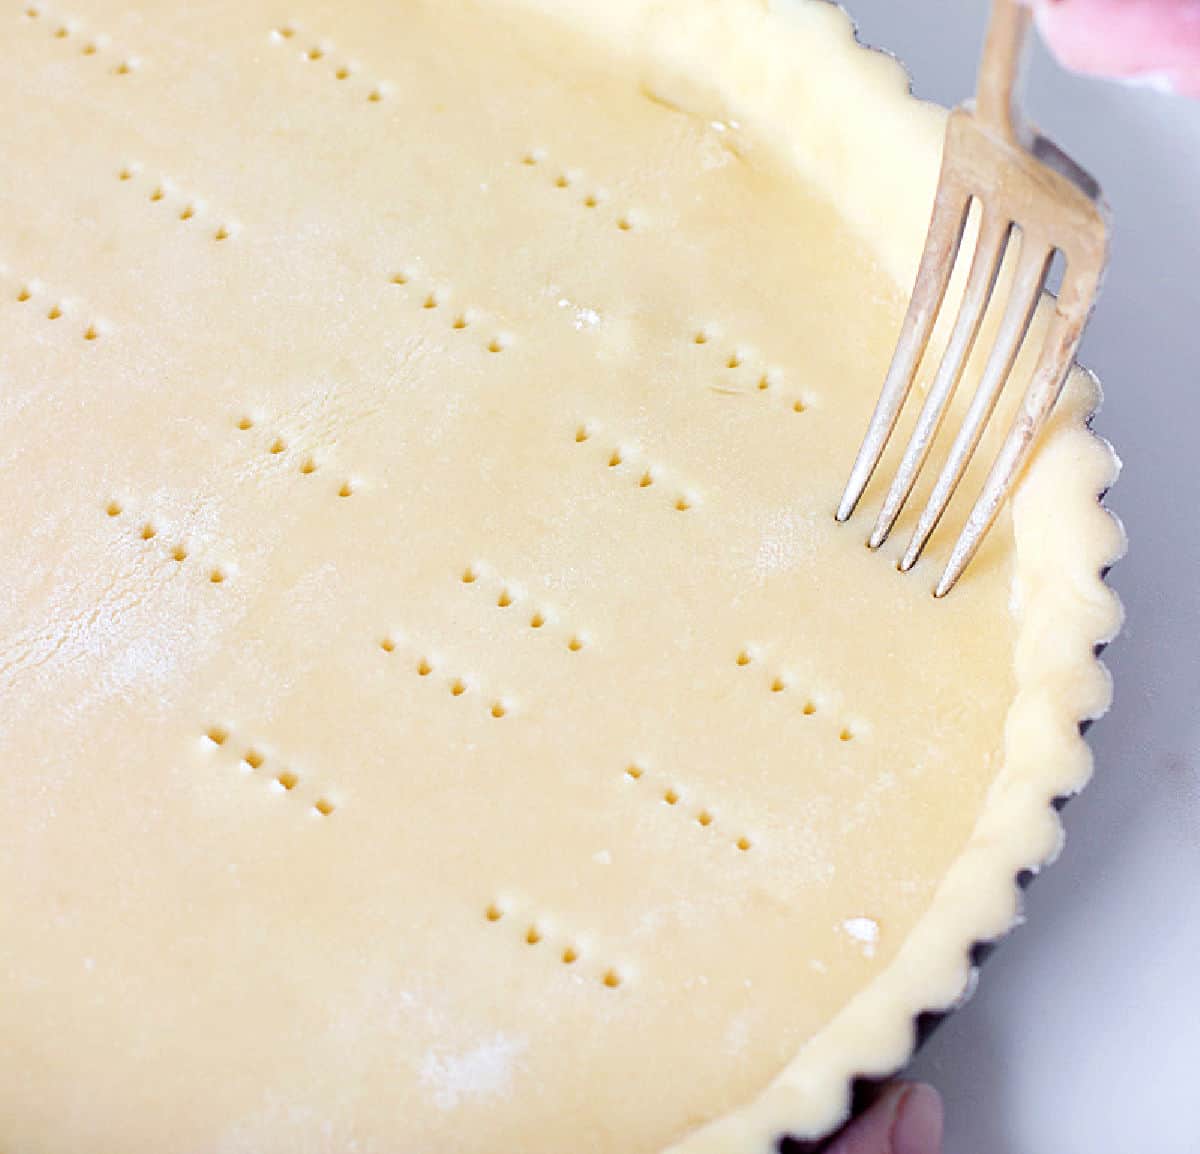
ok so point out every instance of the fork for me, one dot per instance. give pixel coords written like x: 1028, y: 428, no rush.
x: 1029, y: 196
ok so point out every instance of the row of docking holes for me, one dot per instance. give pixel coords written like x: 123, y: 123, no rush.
x: 320, y: 53
x: 306, y: 464
x: 147, y: 532
x: 71, y: 32
x: 745, y: 372
x: 459, y: 686
x: 674, y: 798
x: 34, y: 296
x: 782, y: 683
x: 164, y: 194
x: 573, y: 179
x: 538, y: 932
x: 626, y: 459
x: 462, y: 319
x: 251, y: 760
x: 480, y: 577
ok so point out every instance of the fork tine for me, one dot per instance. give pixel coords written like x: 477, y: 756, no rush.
x: 1054, y: 363
x: 994, y: 231
x: 946, y: 227
x: 1032, y: 269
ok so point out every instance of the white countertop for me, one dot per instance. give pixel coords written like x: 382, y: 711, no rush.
x: 1085, y: 1033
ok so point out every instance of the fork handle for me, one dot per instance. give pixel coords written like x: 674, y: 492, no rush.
x: 1000, y: 66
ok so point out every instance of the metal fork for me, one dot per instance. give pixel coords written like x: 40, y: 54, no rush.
x: 1029, y: 195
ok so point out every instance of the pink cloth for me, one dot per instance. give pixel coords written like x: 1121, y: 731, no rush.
x: 1154, y: 42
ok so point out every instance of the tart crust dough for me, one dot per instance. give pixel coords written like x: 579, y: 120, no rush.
x: 437, y: 709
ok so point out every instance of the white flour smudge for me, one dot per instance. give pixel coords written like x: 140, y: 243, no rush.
x: 484, y: 1072
x: 787, y: 540
x: 585, y: 318
x: 865, y: 931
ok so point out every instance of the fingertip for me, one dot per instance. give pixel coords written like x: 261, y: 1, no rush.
x: 917, y: 1123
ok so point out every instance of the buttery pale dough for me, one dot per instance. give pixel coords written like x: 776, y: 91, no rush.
x: 438, y: 711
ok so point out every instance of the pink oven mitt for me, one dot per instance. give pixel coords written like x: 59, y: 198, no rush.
x: 1153, y: 42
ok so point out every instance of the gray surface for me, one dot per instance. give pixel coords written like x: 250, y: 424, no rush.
x: 1086, y: 1029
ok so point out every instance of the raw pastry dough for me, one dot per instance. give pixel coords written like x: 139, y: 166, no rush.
x: 438, y: 711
